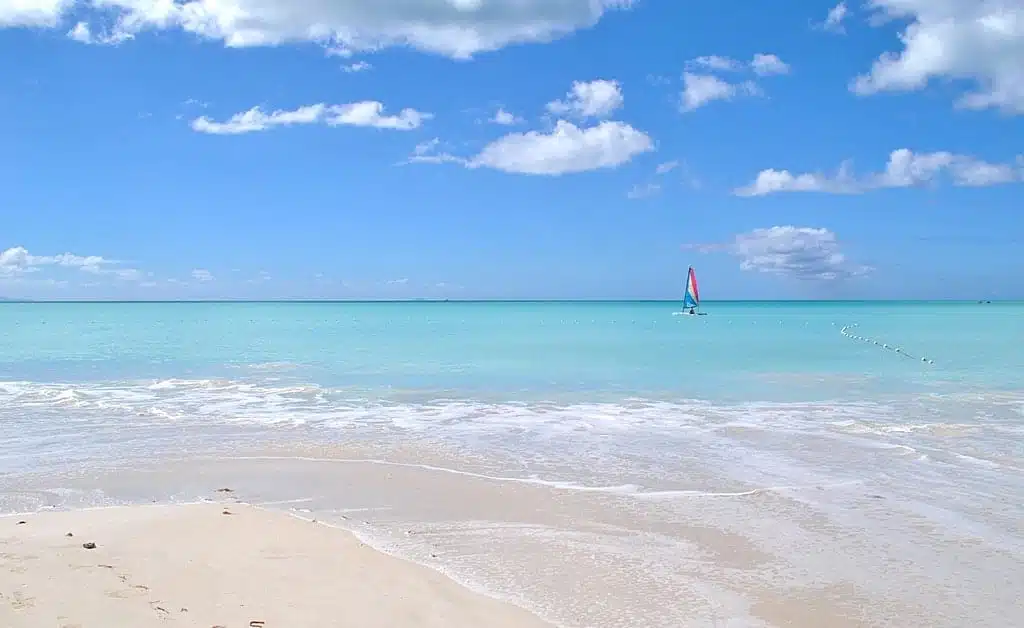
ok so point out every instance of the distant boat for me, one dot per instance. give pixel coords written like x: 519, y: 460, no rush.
x: 691, y: 297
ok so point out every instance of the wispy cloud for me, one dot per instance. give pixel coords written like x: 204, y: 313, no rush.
x: 702, y: 84
x: 356, y: 67
x: 643, y: 190
x: 17, y: 261
x: 364, y: 114
x: 202, y: 275
x: 835, y: 18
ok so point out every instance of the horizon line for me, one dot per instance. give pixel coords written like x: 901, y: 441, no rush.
x: 495, y: 300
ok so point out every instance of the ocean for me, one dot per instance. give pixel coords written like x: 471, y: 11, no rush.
x: 601, y: 463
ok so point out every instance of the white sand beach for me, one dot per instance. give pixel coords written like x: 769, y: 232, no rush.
x: 196, y: 565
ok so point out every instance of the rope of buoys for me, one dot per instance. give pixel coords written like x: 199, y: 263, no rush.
x: 847, y: 332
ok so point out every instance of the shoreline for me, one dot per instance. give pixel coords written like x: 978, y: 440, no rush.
x: 575, y: 558
x: 225, y: 563
x: 695, y: 551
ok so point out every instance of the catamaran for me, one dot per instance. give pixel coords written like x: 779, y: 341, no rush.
x: 691, y: 298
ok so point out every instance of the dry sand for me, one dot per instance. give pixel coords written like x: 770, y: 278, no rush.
x: 192, y: 565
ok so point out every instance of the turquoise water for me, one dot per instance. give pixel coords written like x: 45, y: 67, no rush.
x: 523, y: 349
x: 464, y: 367
x: 900, y: 425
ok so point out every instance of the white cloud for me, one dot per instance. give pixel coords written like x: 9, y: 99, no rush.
x: 358, y: 66
x: 256, y: 120
x: 668, y: 166
x: 761, y: 64
x: 643, y: 190
x: 455, y: 28
x: 772, y: 181
x: 805, y: 253
x: 800, y: 252
x: 201, y: 274
x: 768, y: 65
x: 366, y: 114
x: 17, y: 261
x: 715, y: 62
x: 904, y: 169
x: 83, y: 33
x: 37, y: 13
x: 504, y: 118
x: 654, y: 185
x: 702, y: 89
x: 429, y: 153
x: 566, y: 149
x: 834, y: 19
x: 370, y: 113
x: 594, y: 99
x: 979, y: 41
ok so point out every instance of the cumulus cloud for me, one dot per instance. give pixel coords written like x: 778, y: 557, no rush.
x: 504, y: 118
x: 702, y: 89
x: 17, y: 261
x: 369, y: 113
x: 83, y: 33
x: 978, y: 41
x: 804, y: 253
x: 594, y: 99
x: 566, y: 149
x: 203, y: 275
x: 454, y: 28
x: 36, y: 13
x: 904, y: 169
x: 768, y: 65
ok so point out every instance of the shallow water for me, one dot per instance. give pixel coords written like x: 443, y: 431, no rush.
x: 764, y: 459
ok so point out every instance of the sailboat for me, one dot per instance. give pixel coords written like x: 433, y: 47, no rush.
x: 691, y: 297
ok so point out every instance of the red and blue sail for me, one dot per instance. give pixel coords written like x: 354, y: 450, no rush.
x: 691, y: 298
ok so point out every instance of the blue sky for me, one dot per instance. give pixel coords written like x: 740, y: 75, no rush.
x: 787, y: 150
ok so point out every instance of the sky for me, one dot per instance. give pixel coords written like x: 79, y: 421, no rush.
x: 465, y: 149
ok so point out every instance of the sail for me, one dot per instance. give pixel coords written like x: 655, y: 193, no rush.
x: 691, y: 298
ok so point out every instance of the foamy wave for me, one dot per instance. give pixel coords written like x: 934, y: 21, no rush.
x: 765, y: 444
x: 239, y: 401
x: 233, y: 401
